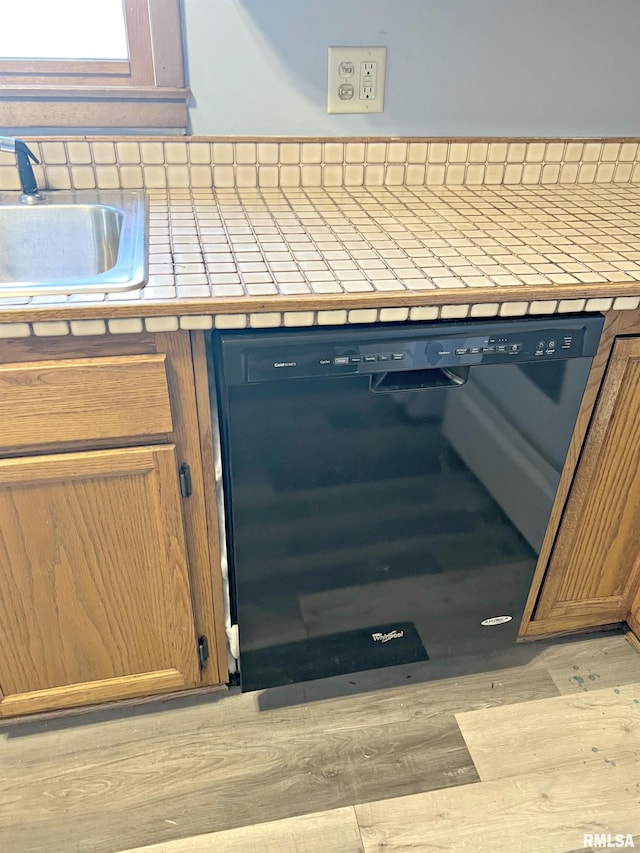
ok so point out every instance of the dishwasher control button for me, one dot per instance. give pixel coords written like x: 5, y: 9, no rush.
x: 355, y: 359
x: 488, y: 349
x: 502, y: 348
x: 515, y: 347
x: 341, y: 359
x: 384, y: 357
x: 398, y: 356
x: 461, y: 351
x: 324, y: 361
x: 475, y: 350
x: 541, y: 345
x: 368, y: 358
x: 551, y: 345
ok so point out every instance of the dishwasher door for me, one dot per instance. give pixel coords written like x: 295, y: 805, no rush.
x: 378, y: 509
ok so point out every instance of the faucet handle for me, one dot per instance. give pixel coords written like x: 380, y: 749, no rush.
x: 22, y: 147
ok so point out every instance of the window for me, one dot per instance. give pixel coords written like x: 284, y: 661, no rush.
x: 104, y: 63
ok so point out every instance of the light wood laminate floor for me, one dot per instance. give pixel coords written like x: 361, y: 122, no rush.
x: 526, y: 756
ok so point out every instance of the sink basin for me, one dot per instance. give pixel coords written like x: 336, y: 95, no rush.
x: 73, y: 242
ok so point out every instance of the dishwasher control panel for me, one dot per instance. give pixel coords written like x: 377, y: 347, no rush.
x: 370, y: 350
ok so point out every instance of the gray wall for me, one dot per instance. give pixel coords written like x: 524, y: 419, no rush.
x: 454, y: 67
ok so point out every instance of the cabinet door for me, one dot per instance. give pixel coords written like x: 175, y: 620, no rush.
x: 94, y: 592
x: 593, y: 569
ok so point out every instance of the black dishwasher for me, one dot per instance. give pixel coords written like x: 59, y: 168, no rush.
x: 387, y: 488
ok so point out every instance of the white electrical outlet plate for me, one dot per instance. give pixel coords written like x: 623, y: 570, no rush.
x: 356, y: 79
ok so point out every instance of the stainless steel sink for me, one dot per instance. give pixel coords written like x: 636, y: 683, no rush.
x: 73, y: 242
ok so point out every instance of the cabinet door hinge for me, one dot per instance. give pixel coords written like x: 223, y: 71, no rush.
x: 185, y: 480
x: 203, y: 651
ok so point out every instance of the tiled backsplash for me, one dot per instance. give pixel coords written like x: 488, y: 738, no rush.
x: 199, y: 163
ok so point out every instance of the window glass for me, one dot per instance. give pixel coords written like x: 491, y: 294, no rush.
x: 64, y: 29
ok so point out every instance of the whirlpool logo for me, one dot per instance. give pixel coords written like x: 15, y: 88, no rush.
x: 378, y: 637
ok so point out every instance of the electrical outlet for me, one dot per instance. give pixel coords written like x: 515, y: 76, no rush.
x: 356, y: 79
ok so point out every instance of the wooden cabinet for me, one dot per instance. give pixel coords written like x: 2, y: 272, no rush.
x: 107, y: 571
x: 593, y: 573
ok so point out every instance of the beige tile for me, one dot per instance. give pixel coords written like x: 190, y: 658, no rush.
x: 354, y: 175
x: 268, y: 153
x: 177, y: 176
x: 200, y: 153
x: 14, y: 330
x: 246, y: 153
x: 311, y: 152
x: 591, y: 152
x: 246, y: 176
x: 417, y: 152
x: 513, y: 173
x: 626, y: 303
x: 224, y: 177
x: 268, y: 176
x: 267, y: 320
x: 397, y: 152
x: 394, y: 175
x: 610, y: 151
x: 355, y: 152
x: 628, y: 152
x: 573, y: 152
x: 486, y: 309
x: 222, y: 153
x: 332, y: 318
x: 126, y: 326
x: 531, y: 173
x: 455, y: 174
x: 230, y: 321
x: 475, y: 174
x: 550, y: 173
x: 290, y: 153
x: 196, y: 321
x: 494, y: 173
x: 555, y: 151
x: 201, y: 176
x: 599, y: 304
x: 311, y: 176
x: 516, y: 152
x: 362, y: 315
x: 435, y: 175
x: 161, y: 324
x: 298, y: 318
x: 569, y: 173
x: 373, y: 175
x: 513, y: 309
x: 152, y: 153
x: 53, y: 153
x: 497, y: 152
x: 393, y: 315
x: 155, y: 177
x: 88, y: 327
x: 458, y: 152
x: 46, y: 329
x: 376, y: 152
x: 79, y: 153
x: 605, y: 172
x: 587, y: 173
x: 423, y: 313
x: 454, y: 312
x: 333, y: 152
x: 415, y: 175
x: 290, y: 176
x: 83, y: 177
x: 438, y: 152
x: 535, y: 152
x: 623, y: 172
x: 176, y: 152
x: 567, y: 306
x: 59, y: 178
x: 543, y: 306
x: 332, y: 176
x: 478, y: 152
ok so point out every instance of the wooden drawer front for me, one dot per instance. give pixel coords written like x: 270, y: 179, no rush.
x: 83, y: 399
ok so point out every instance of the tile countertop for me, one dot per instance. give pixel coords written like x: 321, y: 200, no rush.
x: 299, y: 256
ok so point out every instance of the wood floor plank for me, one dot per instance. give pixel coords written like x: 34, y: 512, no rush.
x: 537, y: 813
x: 591, y: 664
x: 335, y: 831
x: 139, y: 778
x: 599, y: 727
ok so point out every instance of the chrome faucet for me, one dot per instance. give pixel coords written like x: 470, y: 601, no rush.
x: 30, y: 194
